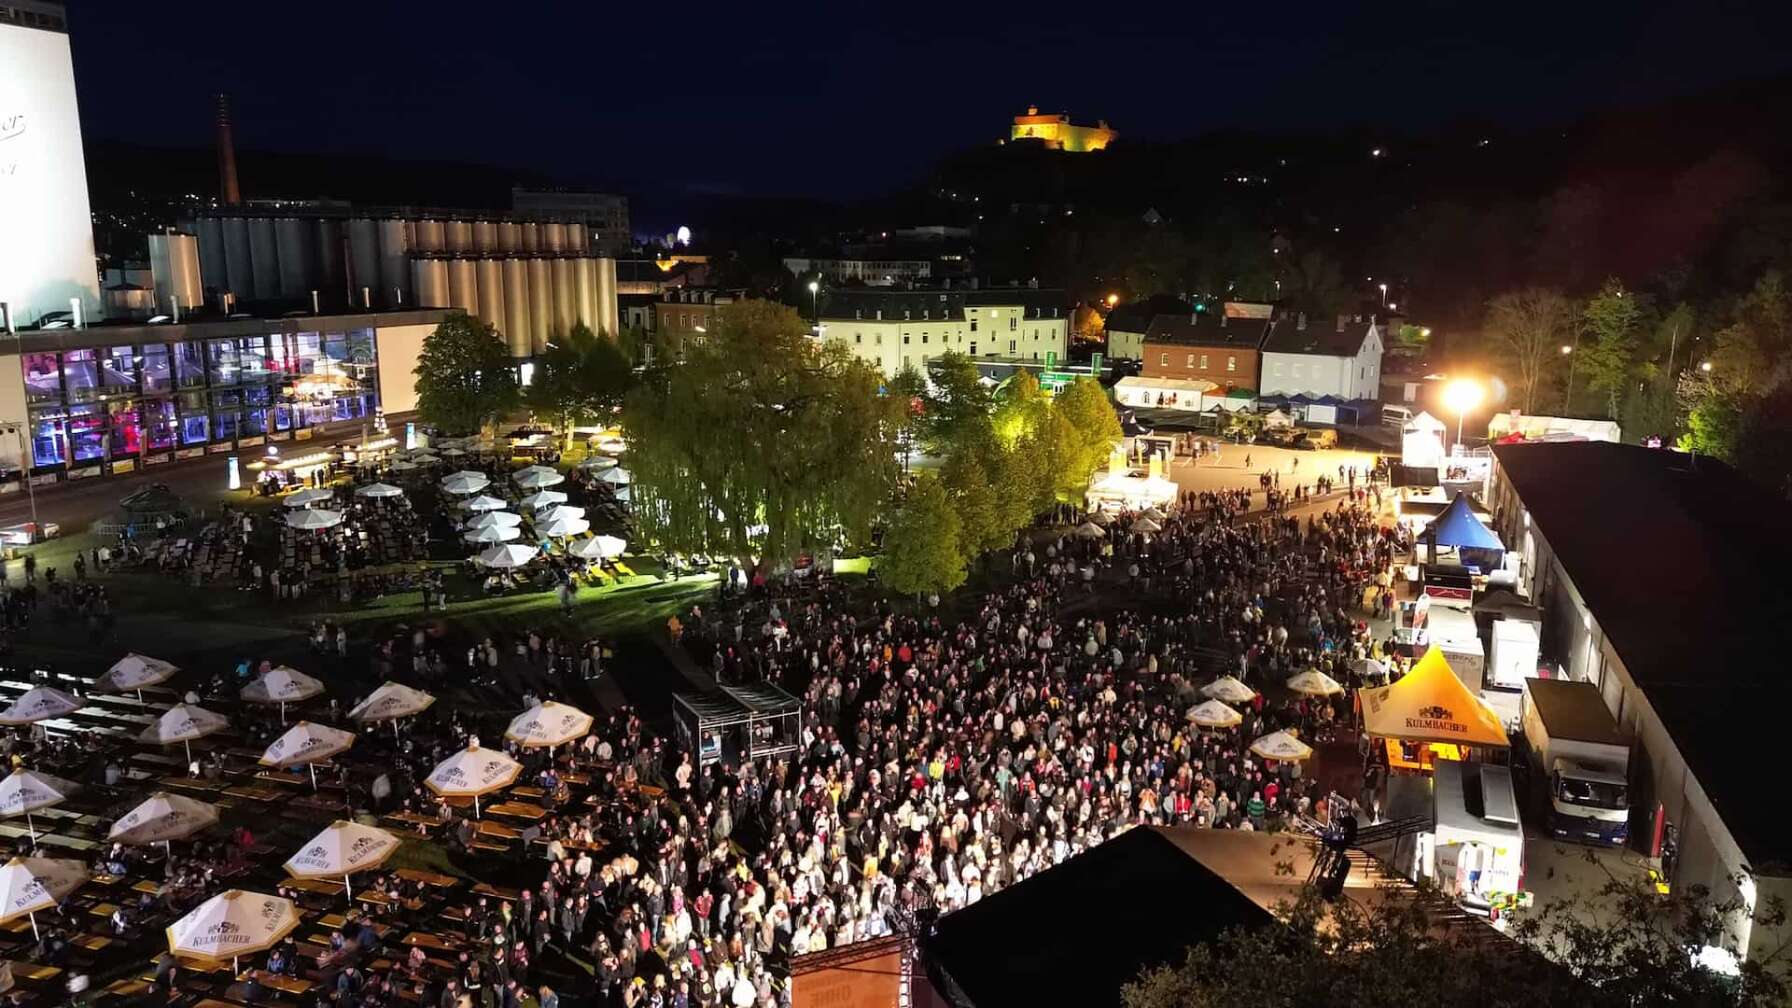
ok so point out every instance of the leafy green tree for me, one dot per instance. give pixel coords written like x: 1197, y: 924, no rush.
x: 1526, y: 330
x: 1754, y: 352
x: 465, y: 375
x: 1623, y: 947
x: 1713, y: 412
x: 1611, y: 322
x: 1057, y: 449
x: 907, y: 392
x: 966, y: 475
x: 1091, y: 415
x: 760, y: 445
x: 922, y: 552
x: 1409, y: 341
x: 581, y: 379
x: 1020, y: 406
x: 957, y: 406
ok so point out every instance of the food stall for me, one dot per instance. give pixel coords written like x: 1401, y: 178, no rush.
x: 1429, y: 714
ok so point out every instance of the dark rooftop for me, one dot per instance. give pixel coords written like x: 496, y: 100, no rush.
x: 1321, y: 336
x: 1684, y: 562
x: 1210, y: 329
x: 1136, y: 316
x: 937, y: 303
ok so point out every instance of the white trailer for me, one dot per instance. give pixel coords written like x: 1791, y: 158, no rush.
x: 1475, y: 851
x: 1512, y: 653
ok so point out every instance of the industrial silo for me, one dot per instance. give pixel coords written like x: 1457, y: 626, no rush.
x: 485, y: 236
x: 516, y: 306
x: 541, y: 304
x: 297, y: 241
x: 510, y: 236
x: 428, y: 235
x: 212, y: 257
x: 394, y: 287
x: 584, y: 283
x: 490, y: 277
x: 363, y: 256
x: 239, y: 261
x: 429, y: 279
x: 330, y: 279
x: 529, y: 236
x: 174, y: 263
x: 608, y: 312
x: 575, y: 238
x: 463, y: 286
x: 566, y: 295
x: 460, y: 236
x: 553, y: 236
x: 264, y: 258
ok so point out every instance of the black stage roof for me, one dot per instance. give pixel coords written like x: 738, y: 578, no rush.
x: 1077, y: 933
x: 1685, y: 563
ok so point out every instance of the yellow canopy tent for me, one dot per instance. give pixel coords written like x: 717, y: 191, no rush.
x: 1431, y: 705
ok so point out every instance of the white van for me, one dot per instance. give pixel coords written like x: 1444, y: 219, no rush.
x: 1395, y: 416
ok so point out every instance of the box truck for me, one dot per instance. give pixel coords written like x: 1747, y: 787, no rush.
x: 1579, y: 751
x: 1453, y: 631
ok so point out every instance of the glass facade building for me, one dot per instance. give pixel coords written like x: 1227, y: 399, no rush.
x: 157, y: 401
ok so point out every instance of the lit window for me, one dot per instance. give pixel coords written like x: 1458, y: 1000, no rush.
x: 1163, y: 360
x: 1231, y: 363
x: 1190, y: 362
x: 1203, y: 362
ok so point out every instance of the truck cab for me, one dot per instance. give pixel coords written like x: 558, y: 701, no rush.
x: 1588, y: 803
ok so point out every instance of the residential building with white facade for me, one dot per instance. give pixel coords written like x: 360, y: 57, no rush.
x: 1303, y: 357
x: 870, y: 272
x: 891, y: 328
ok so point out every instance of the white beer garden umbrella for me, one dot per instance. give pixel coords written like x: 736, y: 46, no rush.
x: 25, y: 791
x: 1154, y: 513
x: 30, y: 884
x: 537, y: 477
x: 282, y: 685
x: 308, y: 497
x: 40, y: 703
x: 132, y: 673
x: 473, y: 772
x: 453, y: 452
x: 390, y: 702
x: 322, y: 518
x: 402, y: 466
x: 615, y: 477
x: 1229, y: 690
x: 465, y: 482
x: 597, y: 463
x: 163, y: 818
x: 183, y: 723
x: 508, y: 556
x: 1090, y: 530
x: 1213, y: 714
x: 548, y: 725
x: 231, y: 924
x: 306, y: 744
x: 1145, y: 525
x: 379, y: 490
x: 559, y: 511
x: 544, y: 498
x: 1282, y: 747
x: 484, y: 502
x: 562, y: 526
x: 601, y: 547
x: 342, y: 849
x: 493, y: 534
x: 612, y: 445
x: 1101, y: 518
x: 490, y: 518
x: 1313, y: 682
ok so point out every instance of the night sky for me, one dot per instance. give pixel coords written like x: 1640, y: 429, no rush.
x: 851, y: 99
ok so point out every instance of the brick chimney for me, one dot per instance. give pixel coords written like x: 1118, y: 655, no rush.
x: 228, y: 192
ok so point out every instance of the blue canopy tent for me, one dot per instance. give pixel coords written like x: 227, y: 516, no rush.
x: 1458, y: 529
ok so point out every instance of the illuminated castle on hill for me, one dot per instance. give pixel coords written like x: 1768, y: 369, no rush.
x: 1058, y: 133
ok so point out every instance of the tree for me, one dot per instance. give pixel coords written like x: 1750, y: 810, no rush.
x: 922, y: 553
x: 1091, y: 415
x: 465, y: 376
x: 1019, y: 407
x: 581, y: 378
x: 1624, y: 946
x: 1314, y: 282
x: 957, y: 405
x: 985, y: 524
x: 1610, y: 321
x: 760, y: 445
x: 1409, y: 341
x: 1527, y: 330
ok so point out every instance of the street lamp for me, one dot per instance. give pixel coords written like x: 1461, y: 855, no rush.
x: 815, y: 299
x: 1384, y: 294
x: 1113, y: 299
x: 1462, y: 395
x: 1705, y: 366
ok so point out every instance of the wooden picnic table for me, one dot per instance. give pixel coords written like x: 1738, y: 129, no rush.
x: 518, y: 810
x: 501, y: 892
x: 320, y: 886
x: 430, y: 940
x: 255, y: 792
x: 279, y: 982
x: 34, y: 971
x: 428, y: 878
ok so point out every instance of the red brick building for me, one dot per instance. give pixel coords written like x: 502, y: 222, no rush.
x: 1224, y: 347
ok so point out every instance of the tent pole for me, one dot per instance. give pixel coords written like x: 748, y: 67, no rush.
x: 313, y: 768
x: 31, y: 828
x: 475, y: 806
x: 348, y: 888
x: 34, y: 935
x: 282, y: 712
x: 188, y: 746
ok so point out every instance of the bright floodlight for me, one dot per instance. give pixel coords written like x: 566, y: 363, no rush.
x: 813, y: 286
x: 1463, y: 395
